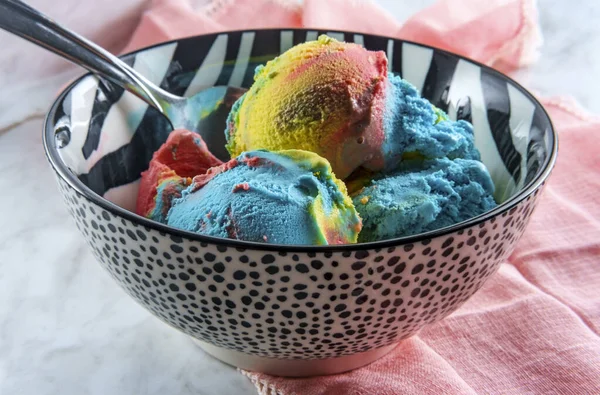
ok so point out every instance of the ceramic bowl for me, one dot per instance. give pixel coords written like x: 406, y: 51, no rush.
x: 280, y: 309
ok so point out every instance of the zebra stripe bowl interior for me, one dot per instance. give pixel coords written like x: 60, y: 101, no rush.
x: 291, y: 310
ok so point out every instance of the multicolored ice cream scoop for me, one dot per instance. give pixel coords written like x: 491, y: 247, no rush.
x: 184, y: 155
x: 336, y: 99
x: 422, y: 196
x: 323, y: 96
x: 284, y: 197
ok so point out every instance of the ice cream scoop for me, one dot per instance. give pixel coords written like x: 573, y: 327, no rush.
x: 423, y: 195
x: 284, y: 197
x: 323, y: 96
x: 337, y: 100
x: 183, y: 156
x: 415, y: 128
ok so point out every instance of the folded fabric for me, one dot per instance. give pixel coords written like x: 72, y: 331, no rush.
x: 500, y: 33
x: 534, y: 327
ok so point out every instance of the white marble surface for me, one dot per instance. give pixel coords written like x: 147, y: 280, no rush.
x: 65, y: 326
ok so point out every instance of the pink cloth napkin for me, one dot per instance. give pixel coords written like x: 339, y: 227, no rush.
x: 534, y: 327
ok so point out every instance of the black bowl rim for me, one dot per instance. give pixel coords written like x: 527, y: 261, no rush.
x: 62, y: 170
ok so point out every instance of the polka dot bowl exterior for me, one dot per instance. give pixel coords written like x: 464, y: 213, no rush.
x: 292, y: 310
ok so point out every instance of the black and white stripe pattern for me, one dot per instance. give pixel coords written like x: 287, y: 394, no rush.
x: 107, y: 128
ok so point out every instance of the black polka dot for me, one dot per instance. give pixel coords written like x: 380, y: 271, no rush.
x: 448, y: 242
x: 340, y: 307
x: 272, y: 269
x: 400, y: 268
x: 268, y: 258
x: 417, y: 269
x: 219, y: 267
x: 177, y: 249
x: 361, y: 254
x: 362, y: 299
x: 300, y: 295
x: 302, y: 268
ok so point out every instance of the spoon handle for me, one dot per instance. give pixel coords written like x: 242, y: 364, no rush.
x: 30, y: 24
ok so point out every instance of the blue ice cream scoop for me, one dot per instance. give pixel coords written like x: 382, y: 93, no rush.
x: 415, y: 128
x: 423, y: 195
x: 282, y: 197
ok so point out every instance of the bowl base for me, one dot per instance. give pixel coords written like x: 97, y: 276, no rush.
x: 294, y: 367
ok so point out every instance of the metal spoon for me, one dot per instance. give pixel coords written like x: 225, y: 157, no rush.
x: 201, y: 113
